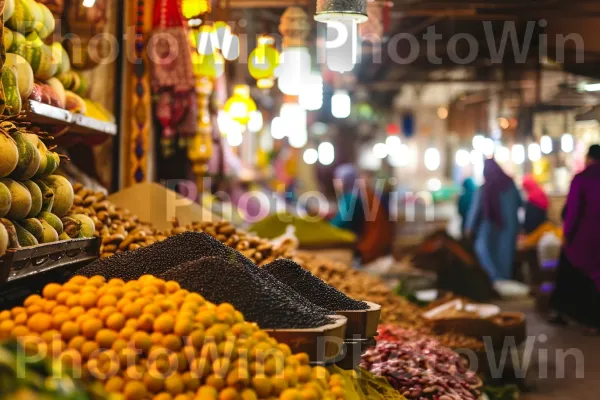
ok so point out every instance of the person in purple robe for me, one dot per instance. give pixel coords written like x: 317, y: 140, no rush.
x: 577, y: 292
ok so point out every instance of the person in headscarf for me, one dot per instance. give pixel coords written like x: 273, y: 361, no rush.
x: 577, y: 292
x: 493, y: 222
x: 350, y: 213
x: 465, y: 201
x: 536, y: 206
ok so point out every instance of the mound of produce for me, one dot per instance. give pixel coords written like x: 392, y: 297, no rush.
x: 311, y: 287
x: 420, y: 367
x: 219, y: 281
x: 204, y: 265
x: 149, y: 338
x: 309, y: 232
x: 41, y: 378
x: 33, y: 201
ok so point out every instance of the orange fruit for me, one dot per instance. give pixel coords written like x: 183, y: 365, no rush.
x: 126, y: 333
x: 207, y: 393
x: 49, y: 306
x: 69, y: 330
x: 96, y: 281
x: 88, y: 300
x: 18, y: 310
x: 90, y: 327
x: 114, y: 384
x: 31, y: 300
x: 116, y: 282
x: 119, y: 345
x: 40, y: 322
x: 79, y: 280
x: 76, y: 312
x: 72, y: 300
x: 172, y: 286
x: 61, y: 298
x: 183, y: 327
x: 153, y: 382
x: 145, y: 322
x: 134, y: 390
x: 51, y: 290
x: 174, y: 384
x: 107, y: 312
x: 172, y: 342
x: 164, y: 323
x: 229, y: 394
x: 132, y: 310
x: 4, y: 315
x: 105, y: 338
x: 141, y: 341
x: 88, y: 349
x: 115, y: 321
x: 108, y: 300
x: 19, y: 331
x: 76, y: 343
x: 156, y: 337
x: 6, y: 326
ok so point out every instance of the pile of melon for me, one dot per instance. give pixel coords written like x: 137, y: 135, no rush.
x: 33, y: 201
x: 34, y: 69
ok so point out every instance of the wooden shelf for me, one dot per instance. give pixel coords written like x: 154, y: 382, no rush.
x: 44, y: 114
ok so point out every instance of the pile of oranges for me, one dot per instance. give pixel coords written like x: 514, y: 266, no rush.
x: 150, y: 339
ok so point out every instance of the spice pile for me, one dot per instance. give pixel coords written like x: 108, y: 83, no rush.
x: 220, y: 274
x: 395, y: 309
x: 148, y: 338
x: 311, y: 287
x: 420, y: 367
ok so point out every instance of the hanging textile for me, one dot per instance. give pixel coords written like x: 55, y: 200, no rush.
x: 172, y: 73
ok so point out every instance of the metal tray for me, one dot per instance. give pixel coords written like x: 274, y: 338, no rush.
x: 27, y: 261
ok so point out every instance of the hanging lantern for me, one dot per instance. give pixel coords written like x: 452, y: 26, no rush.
x: 341, y: 18
x: 240, y: 104
x: 211, y: 65
x: 194, y: 8
x: 295, y: 58
x: 262, y: 62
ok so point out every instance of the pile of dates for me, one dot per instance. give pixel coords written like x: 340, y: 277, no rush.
x: 419, y: 367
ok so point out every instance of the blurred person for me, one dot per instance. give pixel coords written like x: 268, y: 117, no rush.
x: 577, y: 292
x: 493, y: 222
x: 536, y: 205
x: 465, y: 201
x: 350, y: 214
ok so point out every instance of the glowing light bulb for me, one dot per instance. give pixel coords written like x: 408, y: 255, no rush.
x: 311, y: 93
x: 488, y: 147
x: 432, y: 159
x: 89, y: 3
x: 478, y: 142
x: 434, y: 184
x: 463, y: 158
x: 393, y: 143
x: 294, y: 118
x: 326, y: 153
x: 277, y: 128
x: 502, y: 154
x: 546, y: 144
x: 310, y: 156
x: 255, y: 123
x: 341, y: 44
x: 567, y: 143
x: 401, y: 157
x: 341, y: 104
x: 442, y: 113
x: 518, y: 154
x: 235, y: 137
x: 535, y: 152
x: 380, y: 150
x: 476, y: 157
x: 293, y: 70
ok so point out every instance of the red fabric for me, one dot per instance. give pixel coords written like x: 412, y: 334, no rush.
x: 168, y: 14
x: 535, y: 193
x: 377, y: 237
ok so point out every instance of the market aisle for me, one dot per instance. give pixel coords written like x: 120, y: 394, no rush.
x: 560, y: 338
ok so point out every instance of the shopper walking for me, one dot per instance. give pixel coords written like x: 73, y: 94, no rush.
x: 493, y: 222
x: 536, y: 206
x: 465, y: 201
x: 577, y: 292
x: 350, y: 214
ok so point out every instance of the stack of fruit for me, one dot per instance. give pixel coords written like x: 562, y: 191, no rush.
x: 32, y: 199
x: 28, y: 24
x: 148, y: 338
x: 35, y: 70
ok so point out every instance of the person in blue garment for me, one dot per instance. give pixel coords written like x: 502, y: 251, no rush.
x: 350, y: 215
x: 465, y: 201
x: 493, y: 222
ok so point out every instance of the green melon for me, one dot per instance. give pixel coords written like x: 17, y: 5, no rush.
x: 63, y: 194
x: 8, y: 38
x: 61, y: 57
x: 48, y: 24
x: 88, y: 228
x: 9, y: 154
x: 17, y: 39
x: 20, y: 199
x: 29, y: 158
x: 10, y: 84
x: 9, y: 10
x: 36, y: 198
x: 53, y: 220
x: 3, y: 240
x: 24, y: 17
x: 5, y: 200
x: 24, y: 74
x: 49, y: 234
